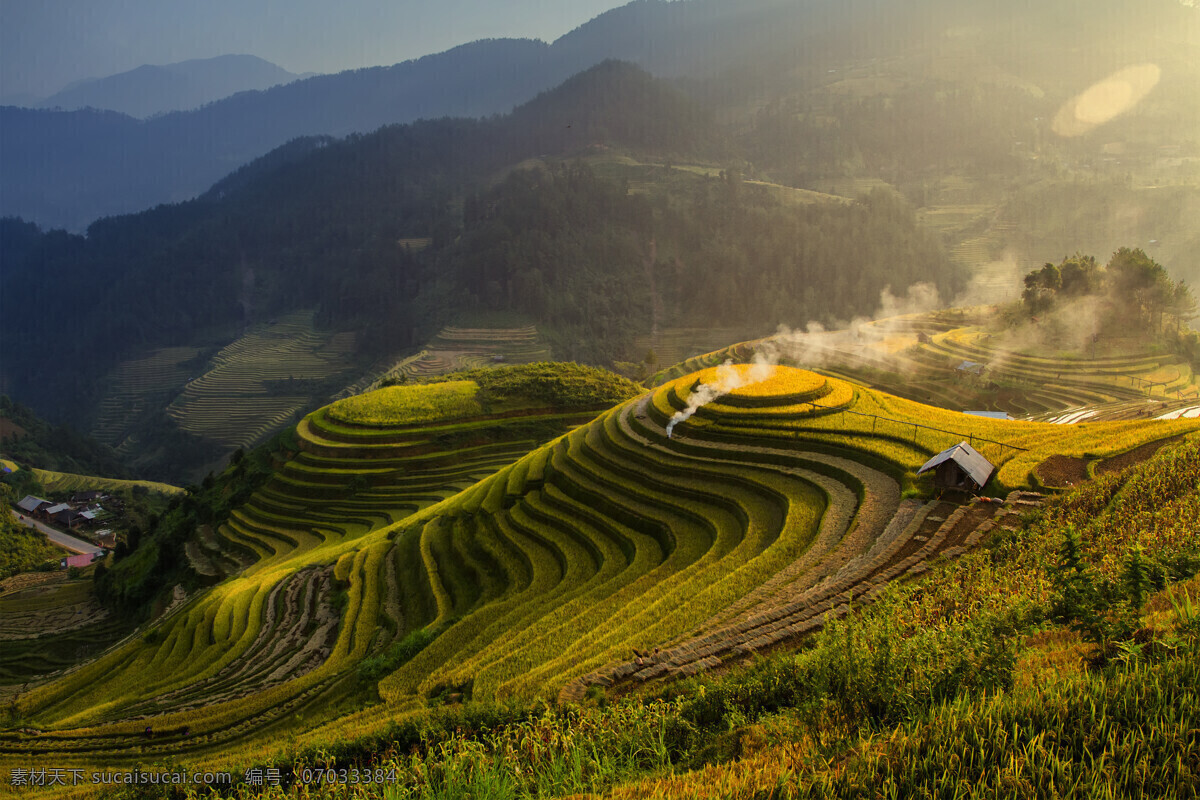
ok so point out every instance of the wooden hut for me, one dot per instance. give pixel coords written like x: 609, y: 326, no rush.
x: 959, y: 467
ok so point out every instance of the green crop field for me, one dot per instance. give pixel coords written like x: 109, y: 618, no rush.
x: 529, y: 571
x: 462, y: 348
x: 68, y: 482
x: 137, y: 386
x: 259, y: 383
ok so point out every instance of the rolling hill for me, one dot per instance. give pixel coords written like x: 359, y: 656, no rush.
x: 749, y: 524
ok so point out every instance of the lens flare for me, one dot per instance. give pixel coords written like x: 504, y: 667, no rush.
x: 1107, y: 99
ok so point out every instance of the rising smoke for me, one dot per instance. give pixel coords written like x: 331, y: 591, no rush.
x: 814, y: 346
x: 728, y: 379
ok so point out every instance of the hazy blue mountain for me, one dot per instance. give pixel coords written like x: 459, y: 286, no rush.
x: 69, y: 168
x: 157, y: 89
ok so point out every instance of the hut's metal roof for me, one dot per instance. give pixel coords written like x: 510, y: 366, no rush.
x: 30, y: 503
x: 968, y: 458
x: 990, y: 414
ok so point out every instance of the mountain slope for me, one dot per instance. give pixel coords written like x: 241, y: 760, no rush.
x: 158, y: 89
x: 595, y: 250
x: 740, y: 56
x: 70, y: 168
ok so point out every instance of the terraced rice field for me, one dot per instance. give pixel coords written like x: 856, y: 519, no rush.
x: 917, y: 357
x: 739, y: 532
x: 272, y: 639
x: 244, y: 396
x: 674, y: 345
x: 461, y: 348
x: 138, y: 386
x: 70, y: 482
x: 764, y: 512
x: 1050, y: 384
x: 49, y: 626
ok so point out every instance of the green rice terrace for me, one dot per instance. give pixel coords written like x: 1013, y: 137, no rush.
x: 952, y: 360
x: 137, y: 386
x: 49, y: 623
x: 70, y: 482
x: 261, y: 381
x: 421, y: 547
x: 458, y: 348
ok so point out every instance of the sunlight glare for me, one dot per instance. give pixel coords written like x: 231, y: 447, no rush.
x: 1107, y: 99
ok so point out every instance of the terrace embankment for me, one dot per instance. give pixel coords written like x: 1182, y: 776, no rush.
x: 890, y: 539
x: 767, y: 508
x: 304, y: 586
x: 947, y: 359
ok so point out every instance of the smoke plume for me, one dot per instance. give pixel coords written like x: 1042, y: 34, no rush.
x: 868, y: 337
x: 728, y: 379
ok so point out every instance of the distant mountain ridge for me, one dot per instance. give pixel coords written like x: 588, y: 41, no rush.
x: 67, y: 169
x: 70, y: 168
x: 158, y: 89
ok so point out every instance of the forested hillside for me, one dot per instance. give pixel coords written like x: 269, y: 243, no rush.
x: 33, y: 442
x: 319, y: 225
x: 871, y: 83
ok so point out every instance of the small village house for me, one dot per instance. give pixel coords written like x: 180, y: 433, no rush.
x: 32, y: 505
x: 80, y: 560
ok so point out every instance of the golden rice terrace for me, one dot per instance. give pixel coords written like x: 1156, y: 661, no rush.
x: 609, y: 556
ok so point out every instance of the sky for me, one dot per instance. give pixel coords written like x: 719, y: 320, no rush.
x: 46, y: 44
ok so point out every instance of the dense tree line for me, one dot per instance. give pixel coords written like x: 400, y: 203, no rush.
x: 584, y: 257
x: 321, y: 224
x: 1137, y: 292
x: 58, y: 448
x: 908, y: 135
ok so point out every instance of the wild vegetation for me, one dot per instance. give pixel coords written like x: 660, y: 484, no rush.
x: 21, y: 550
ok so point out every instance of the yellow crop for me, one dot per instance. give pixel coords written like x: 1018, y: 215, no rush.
x: 753, y: 380
x: 405, y: 405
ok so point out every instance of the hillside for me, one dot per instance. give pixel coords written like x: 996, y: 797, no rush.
x: 33, y: 442
x: 621, y: 227
x: 818, y: 73
x: 985, y: 661
x: 740, y: 530
x: 160, y: 88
